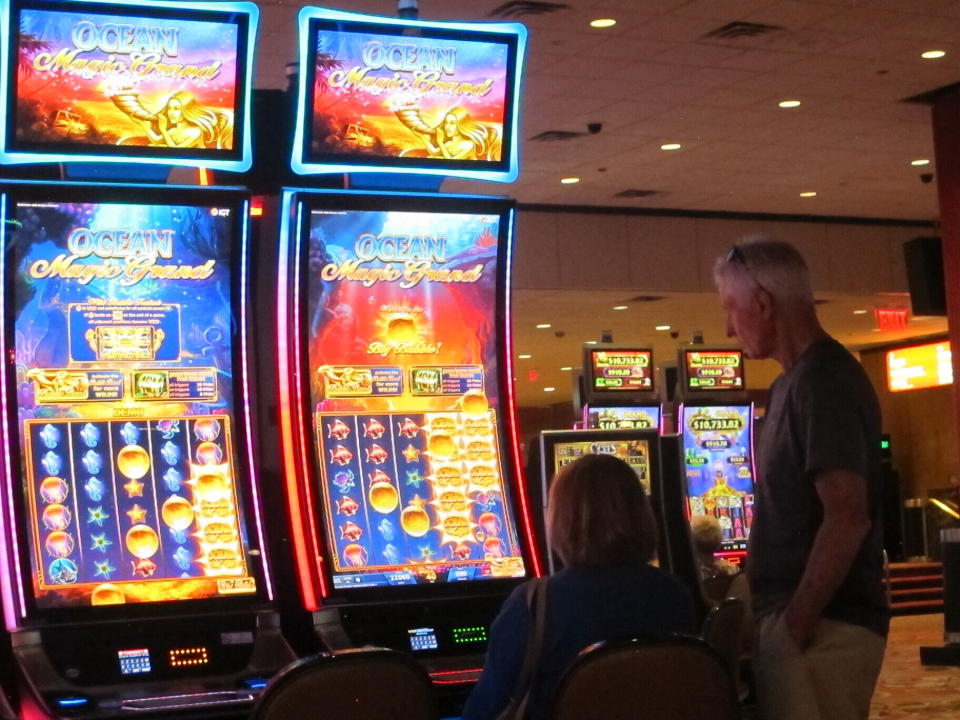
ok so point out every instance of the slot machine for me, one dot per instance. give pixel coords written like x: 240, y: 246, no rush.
x: 131, y: 525
x: 715, y: 421
x: 619, y: 391
x: 410, y: 522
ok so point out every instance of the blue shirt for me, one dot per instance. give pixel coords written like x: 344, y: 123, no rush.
x: 584, y: 605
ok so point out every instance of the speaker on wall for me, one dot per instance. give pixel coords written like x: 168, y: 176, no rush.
x: 924, y: 260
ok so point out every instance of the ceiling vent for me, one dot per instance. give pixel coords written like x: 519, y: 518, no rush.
x: 556, y: 136
x: 645, y: 299
x: 740, y: 29
x: 632, y: 193
x: 518, y: 8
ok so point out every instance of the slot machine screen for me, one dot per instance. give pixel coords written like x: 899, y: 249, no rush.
x: 714, y: 370
x: 617, y: 372
x: 121, y: 318
x: 118, y: 81
x: 636, y: 453
x: 623, y: 418
x: 405, y: 390
x: 388, y: 95
x: 718, y: 463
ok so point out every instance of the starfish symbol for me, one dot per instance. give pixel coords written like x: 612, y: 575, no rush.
x: 426, y: 552
x: 137, y: 514
x: 104, y: 569
x: 414, y: 478
x: 411, y: 453
x: 134, y: 488
x: 100, y: 542
x: 96, y: 516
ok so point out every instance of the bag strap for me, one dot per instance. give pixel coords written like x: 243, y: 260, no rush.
x: 537, y: 607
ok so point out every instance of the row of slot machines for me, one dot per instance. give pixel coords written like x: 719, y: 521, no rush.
x: 709, y: 429
x: 228, y: 418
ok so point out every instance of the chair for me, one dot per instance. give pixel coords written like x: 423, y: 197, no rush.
x: 647, y: 678
x: 360, y: 684
x: 723, y: 631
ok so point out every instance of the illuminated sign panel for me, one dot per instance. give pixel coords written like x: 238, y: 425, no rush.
x: 122, y: 327
x: 118, y: 81
x: 621, y: 371
x: 713, y: 370
x: 920, y: 366
x: 388, y: 95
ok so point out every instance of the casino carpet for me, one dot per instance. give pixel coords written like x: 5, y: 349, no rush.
x: 906, y: 688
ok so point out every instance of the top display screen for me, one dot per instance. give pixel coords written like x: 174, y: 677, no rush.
x: 620, y: 371
x: 713, y: 370
x: 919, y: 366
x: 118, y: 81
x: 388, y: 95
x: 121, y: 317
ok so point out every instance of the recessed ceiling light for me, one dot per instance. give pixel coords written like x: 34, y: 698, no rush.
x: 549, y: 389
x: 671, y: 146
x: 603, y: 23
x: 569, y: 180
x: 543, y: 326
x: 590, y: 342
x: 524, y: 357
x: 919, y: 162
x: 859, y: 312
x: 789, y: 103
x: 567, y: 368
x: 663, y: 327
x: 808, y: 193
x: 932, y: 54
x: 621, y: 307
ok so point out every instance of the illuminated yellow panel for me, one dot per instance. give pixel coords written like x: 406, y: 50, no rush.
x: 920, y: 366
x: 186, y: 657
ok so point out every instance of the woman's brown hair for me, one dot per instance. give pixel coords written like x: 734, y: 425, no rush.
x: 599, y: 514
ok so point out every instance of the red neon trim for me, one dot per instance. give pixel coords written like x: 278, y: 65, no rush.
x: 471, y: 681
x: 288, y: 440
x: 437, y: 673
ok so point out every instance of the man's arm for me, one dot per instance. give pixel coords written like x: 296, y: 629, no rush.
x: 846, y: 522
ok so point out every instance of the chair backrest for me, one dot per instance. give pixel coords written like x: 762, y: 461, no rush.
x: 360, y: 684
x: 650, y: 677
x: 715, y: 587
x: 723, y: 631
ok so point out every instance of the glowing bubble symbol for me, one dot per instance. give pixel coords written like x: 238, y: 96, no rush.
x: 492, y: 547
x: 177, y: 513
x: 414, y: 519
x: 63, y: 571
x: 442, y: 445
x: 107, y: 594
x: 384, y: 497
x: 133, y: 461
x: 402, y: 328
x: 206, y: 429
x: 355, y: 555
x: 142, y: 541
x: 59, y: 544
x: 489, y: 523
x: 209, y: 453
x: 56, y: 517
x: 210, y: 482
x: 53, y: 489
x: 474, y: 402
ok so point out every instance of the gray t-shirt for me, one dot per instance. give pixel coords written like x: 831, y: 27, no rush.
x: 822, y: 414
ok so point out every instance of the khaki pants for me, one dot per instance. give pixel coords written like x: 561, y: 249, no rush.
x: 833, y: 679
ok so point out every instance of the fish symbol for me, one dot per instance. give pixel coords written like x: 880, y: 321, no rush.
x: 90, y: 434
x: 92, y: 461
x: 408, y: 428
x: 373, y: 429
x: 379, y: 476
x: 347, y: 506
x: 94, y: 488
x: 344, y: 481
x: 130, y: 433
x: 144, y: 567
x: 377, y: 454
x: 170, y: 453
x: 50, y: 436
x: 182, y: 558
x: 486, y: 500
x: 341, y: 456
x: 63, y: 571
x: 460, y: 551
x: 168, y: 428
x: 52, y: 463
x: 172, y: 479
x: 391, y: 554
x: 338, y: 429
x: 385, y: 528
x: 350, y: 531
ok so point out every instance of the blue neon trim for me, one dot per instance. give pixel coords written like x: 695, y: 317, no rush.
x: 18, y: 157
x: 314, y: 168
x: 72, y: 701
x: 255, y: 683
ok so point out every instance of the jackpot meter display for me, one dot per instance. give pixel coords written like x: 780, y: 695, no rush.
x: 718, y: 461
x: 620, y: 371
x: 405, y: 390
x: 713, y: 370
x: 120, y: 318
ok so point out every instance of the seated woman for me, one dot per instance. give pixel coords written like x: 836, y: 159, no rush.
x: 600, y: 524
